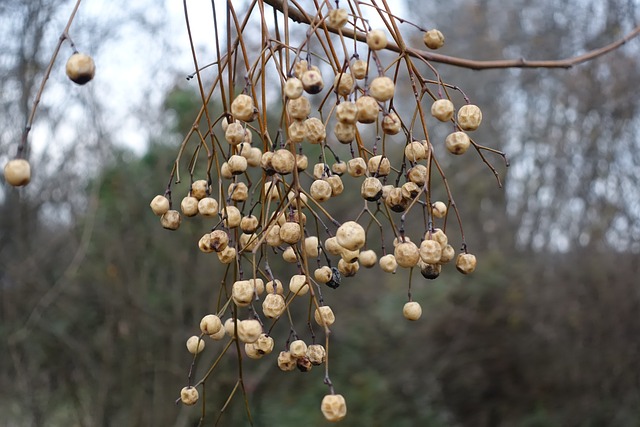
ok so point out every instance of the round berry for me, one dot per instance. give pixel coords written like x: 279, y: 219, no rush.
x: 324, y: 316
x: 359, y: 69
x: 242, y: 108
x: 391, y: 124
x: 407, y: 254
x: 337, y: 18
x: 249, y: 330
x: 242, y: 293
x: 345, y: 132
x: 469, y: 117
x: 368, y: 109
x: 442, y: 109
x: 159, y: 204
x: 388, y: 263
x: 466, y: 263
x: 189, y: 395
x: 433, y: 39
x: 323, y: 274
x: 379, y: 165
x: 315, y: 131
x: 457, y: 142
x: 298, y: 348
x: 343, y: 84
x: 368, y: 258
x: 347, y: 112
x: 371, y: 189
x: 356, y: 167
x: 351, y: 235
x: 376, y: 39
x: 334, y: 407
x: 312, y: 81
x: 439, y: 209
x: 210, y: 324
x: 171, y: 220
x: 195, y: 345
x: 382, y: 88
x: 293, y: 88
x: 412, y: 310
x: 273, y: 305
x: 80, y: 68
x: 316, y: 354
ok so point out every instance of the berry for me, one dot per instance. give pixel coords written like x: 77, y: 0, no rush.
x: 273, y: 305
x: 407, y: 254
x: 195, y: 345
x: 298, y: 348
x: 351, y: 235
x: 343, y: 84
x: 227, y: 255
x: 299, y: 108
x: 189, y: 395
x: 286, y: 362
x: 316, y: 354
x: 439, y: 209
x: 368, y: 258
x: 249, y: 330
x: 80, y: 68
x: 346, y: 112
x: 17, y: 172
x: 242, y: 108
x: 348, y: 269
x: 219, y: 240
x: 323, y: 274
x: 336, y: 185
x: 208, y: 207
x: 388, y: 263
x: 430, y: 251
x: 433, y: 39
x: 242, y: 293
x: 324, y: 316
x: 283, y: 161
x: 235, y: 133
x: 466, y: 263
x: 320, y: 190
x: 368, y: 109
x: 382, y: 88
x: 376, y: 39
x: 264, y: 344
x: 293, y: 88
x: 231, y: 216
x: 171, y: 220
x: 189, y: 206
x: 447, y: 254
x: 429, y: 271
x: 333, y: 407
x: 199, y: 189
x: 298, y: 284
x: 415, y: 151
x: 237, y: 164
x: 442, y: 109
x: 312, y: 81
x: 290, y: 232
x: 210, y: 324
x: 315, y: 131
x: 159, y: 204
x: 356, y: 167
x: 345, y: 132
x: 391, y: 124
x: 457, y: 142
x: 359, y: 69
x: 412, y: 310
x: 469, y: 117
x: 371, y: 189
x: 337, y: 18
x: 379, y: 166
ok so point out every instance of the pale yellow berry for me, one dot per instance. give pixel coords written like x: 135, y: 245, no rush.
x: 258, y: 285
x: 346, y: 112
x: 379, y: 165
x: 386, y: 189
x: 238, y: 191
x: 273, y: 236
x: 274, y: 287
x: 356, y: 167
x: 249, y: 330
x: 302, y: 162
x: 398, y: 240
x: 218, y: 335
x: 345, y: 132
x: 264, y: 344
x: 439, y: 209
x: 298, y: 348
x: 391, y: 124
x: 219, y: 240
x: 469, y: 117
x: 231, y: 216
x: 237, y: 164
x: 300, y: 67
x: 388, y: 263
x: 253, y: 157
x: 447, y: 254
x: 382, y: 88
x: 80, y: 68
x: 414, y: 151
x: 412, y: 310
x: 204, y: 244
x: 230, y: 327
x: 351, y: 235
x: 334, y: 407
x: 293, y: 88
x: 159, y: 204
x: 286, y: 362
x: 332, y: 246
x: 418, y: 175
x: 195, y: 345
x: 227, y: 255
x: 208, y: 207
x: 323, y: 274
x: 295, y: 198
x: 337, y: 187
x: 242, y: 293
x: 271, y: 191
x: 324, y: 316
x: 359, y: 69
x: 367, y: 258
x: 312, y: 81
x: 430, y: 251
x: 225, y: 172
x: 297, y: 131
x: 235, y: 133
x: 343, y: 84
x: 210, y: 324
x: 466, y: 263
x: 242, y: 108
x: 337, y: 18
x: 433, y: 39
x: 171, y: 220
x: 290, y: 232
x: 395, y: 200
x: 315, y: 131
x: 273, y: 305
x: 189, y: 395
x: 311, y: 247
x: 442, y: 109
x: 371, y: 189
x: 199, y: 189
x: 376, y: 39
x: 299, y: 108
x: 249, y: 224
x: 348, y: 269
x: 407, y: 254
x: 410, y: 190
x: 438, y: 235
x: 289, y: 255
x: 189, y: 206
x: 252, y: 352
x: 316, y: 354
x: 457, y: 142
x: 320, y: 190
x: 339, y: 168
x: 298, y: 284
x: 368, y: 109
x: 283, y: 161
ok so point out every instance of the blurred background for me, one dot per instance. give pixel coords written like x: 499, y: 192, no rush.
x: 97, y: 300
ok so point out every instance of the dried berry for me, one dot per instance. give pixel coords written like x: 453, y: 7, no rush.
x: 273, y: 305
x: 189, y: 206
x: 171, y: 220
x: 368, y: 109
x: 189, y: 395
x: 359, y: 69
x: 312, y: 81
x: 195, y: 344
x: 457, y: 142
x: 210, y: 324
x: 407, y: 254
x: 337, y: 18
x: 376, y: 39
x: 466, y: 263
x: 242, y: 108
x: 334, y: 407
x: 343, y: 84
x: 80, y: 68
x: 351, y: 235
x: 469, y: 117
x: 379, y: 165
x: 159, y: 204
x: 324, y: 316
x: 412, y: 310
x: 382, y: 88
x: 442, y: 109
x: 293, y: 88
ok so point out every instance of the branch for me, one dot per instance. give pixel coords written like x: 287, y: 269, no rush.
x: 301, y: 16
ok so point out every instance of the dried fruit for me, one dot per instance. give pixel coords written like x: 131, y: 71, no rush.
x: 382, y: 88
x: 337, y: 18
x: 159, y: 204
x: 368, y: 109
x: 316, y: 354
x: 466, y: 263
x: 324, y: 316
x: 286, y: 362
x: 433, y: 39
x: 376, y: 39
x: 442, y: 109
x: 343, y: 84
x: 351, y: 235
x: 430, y: 251
x: 368, y: 258
x: 298, y: 348
x: 249, y: 330
x: 407, y: 254
x: 457, y: 142
x: 320, y: 190
x: 171, y: 220
x: 346, y: 112
x: 80, y: 68
x: 242, y: 108
x: 273, y: 305
x: 356, y: 167
x: 315, y: 131
x: 312, y: 81
x: 299, y: 108
x: 391, y: 124
x: 345, y: 132
x: 195, y: 344
x: 210, y: 324
x: 293, y: 88
x: 189, y: 206
x: 189, y: 395
x: 469, y: 117
x: 334, y: 407
x: 412, y: 310
x: 379, y: 165
x: 439, y: 209
x: 298, y: 284
x: 242, y: 293
x: 359, y: 69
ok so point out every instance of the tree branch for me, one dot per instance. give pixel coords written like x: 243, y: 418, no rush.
x: 301, y: 16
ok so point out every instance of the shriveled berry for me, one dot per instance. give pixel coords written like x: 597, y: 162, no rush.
x: 379, y: 165
x: 273, y: 305
x: 388, y: 263
x: 447, y: 254
x: 283, y: 161
x: 345, y: 132
x: 359, y: 69
x: 457, y: 142
x: 323, y: 274
x: 264, y: 344
x: 439, y: 209
x: 368, y: 109
x: 227, y: 255
x: 433, y: 39
x: 343, y: 84
x: 312, y: 81
x: 315, y: 130
x: 210, y: 324
x: 299, y: 108
x: 347, y: 112
x: 298, y: 348
x: 242, y: 108
x: 189, y: 206
x: 334, y: 407
x: 376, y: 39
x: 430, y: 251
x: 382, y: 88
x: 249, y: 330
x: 414, y: 151
x: 412, y: 310
x: 351, y: 235
x: 320, y: 190
x: 337, y: 187
x: 159, y: 204
x: 189, y: 395
x: 235, y: 133
x: 466, y: 263
x: 316, y: 354
x: 293, y: 88
x: 337, y: 18
x: 371, y: 189
x: 469, y: 117
x: 356, y: 167
x: 407, y: 254
x: 429, y: 271
x: 286, y: 362
x: 231, y: 216
x: 171, y: 220
x: 348, y: 269
x: 368, y: 258
x: 391, y: 124
x: 219, y: 240
x: 442, y: 109
x: 324, y: 316
x: 242, y: 293
x: 298, y: 284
